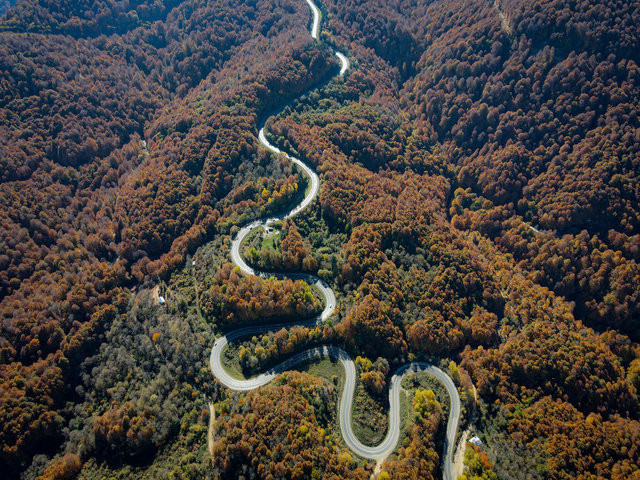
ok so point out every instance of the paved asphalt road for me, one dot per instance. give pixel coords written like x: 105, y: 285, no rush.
x: 386, y: 447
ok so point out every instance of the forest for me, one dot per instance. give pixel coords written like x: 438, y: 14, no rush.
x: 479, y: 207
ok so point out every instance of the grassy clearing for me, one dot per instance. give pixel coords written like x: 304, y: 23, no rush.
x: 231, y: 362
x: 271, y: 241
x: 369, y: 417
x: 406, y: 419
x: 327, y: 368
x: 258, y: 240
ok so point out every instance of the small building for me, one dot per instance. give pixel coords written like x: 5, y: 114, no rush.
x: 476, y: 441
x: 161, y: 300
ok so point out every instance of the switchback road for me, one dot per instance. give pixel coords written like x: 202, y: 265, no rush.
x: 386, y: 447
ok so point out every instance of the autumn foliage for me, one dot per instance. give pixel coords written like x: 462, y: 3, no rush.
x: 119, y: 144
x: 283, y: 429
x: 479, y: 203
x: 124, y: 431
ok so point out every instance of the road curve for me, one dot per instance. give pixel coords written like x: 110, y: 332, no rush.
x: 316, y: 19
x: 386, y: 447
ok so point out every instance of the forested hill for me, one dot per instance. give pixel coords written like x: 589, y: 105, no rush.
x: 479, y: 206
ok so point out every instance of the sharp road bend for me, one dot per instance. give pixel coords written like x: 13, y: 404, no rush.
x: 380, y: 452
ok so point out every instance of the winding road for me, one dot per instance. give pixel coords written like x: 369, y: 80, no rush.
x: 380, y: 452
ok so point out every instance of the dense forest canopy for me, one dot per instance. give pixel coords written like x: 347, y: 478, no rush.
x: 480, y: 205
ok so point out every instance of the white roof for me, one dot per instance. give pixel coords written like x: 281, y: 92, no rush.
x: 476, y: 441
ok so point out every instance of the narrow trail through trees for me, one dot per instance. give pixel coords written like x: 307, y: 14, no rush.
x: 504, y: 21
x: 379, y: 452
